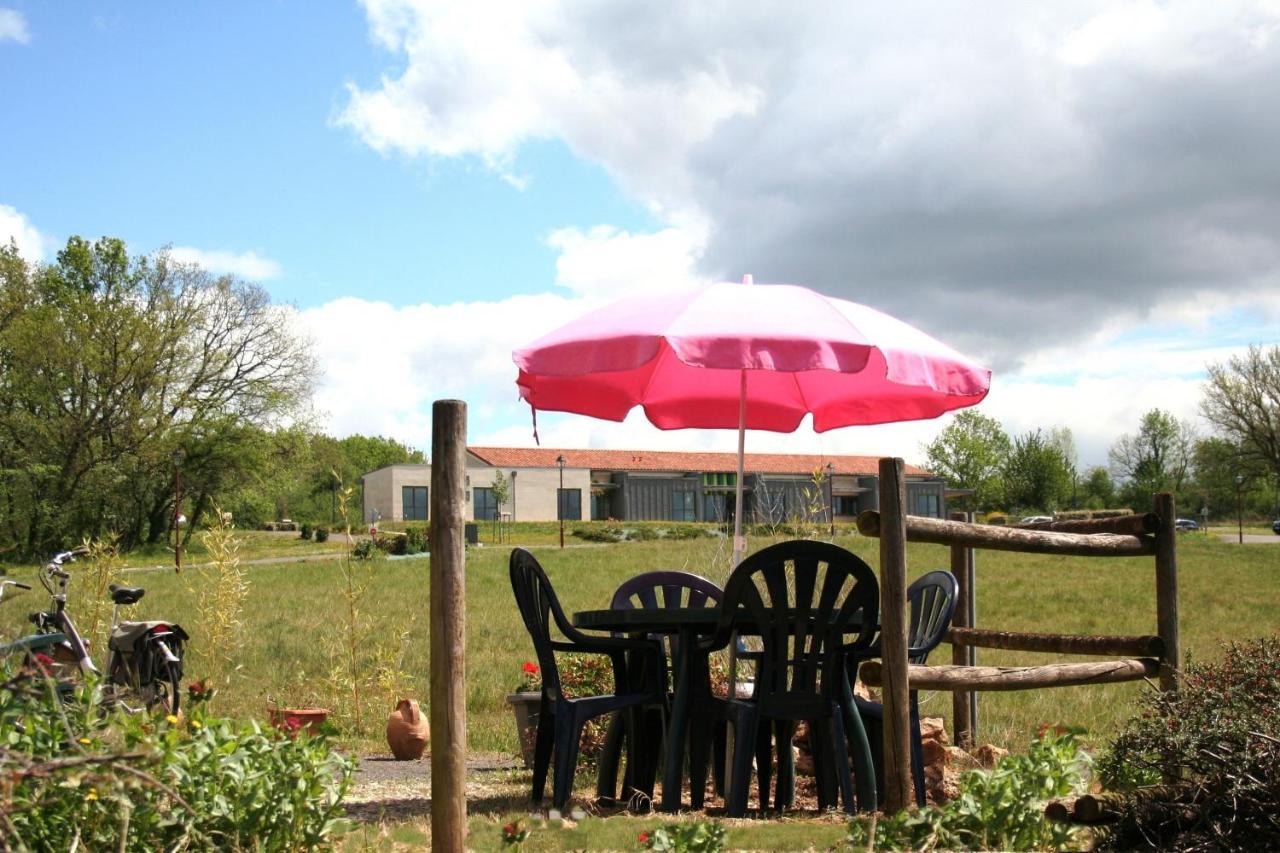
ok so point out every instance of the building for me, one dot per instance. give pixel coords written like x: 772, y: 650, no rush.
x: 642, y: 485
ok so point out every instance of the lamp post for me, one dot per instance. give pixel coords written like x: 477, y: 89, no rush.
x: 831, y: 500
x: 560, y: 497
x: 1240, y: 507
x: 177, y: 509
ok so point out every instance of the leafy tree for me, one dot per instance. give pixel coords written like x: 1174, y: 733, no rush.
x: 1097, y: 491
x: 1037, y: 474
x: 501, y: 488
x: 969, y: 453
x: 110, y: 362
x: 1242, y: 399
x: 1154, y: 459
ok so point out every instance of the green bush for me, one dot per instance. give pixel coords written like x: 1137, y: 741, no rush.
x: 685, y: 531
x: 322, y: 534
x: 1219, y: 735
x: 1001, y: 809
x: 365, y: 549
x: 416, y: 540
x: 305, y: 531
x: 694, y: 837
x: 72, y: 771
x: 642, y: 534
x: 599, y: 533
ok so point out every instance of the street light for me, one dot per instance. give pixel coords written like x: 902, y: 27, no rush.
x: 1240, y: 506
x: 560, y: 497
x: 177, y: 508
x: 831, y: 501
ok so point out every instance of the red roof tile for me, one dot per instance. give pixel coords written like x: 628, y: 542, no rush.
x: 666, y: 460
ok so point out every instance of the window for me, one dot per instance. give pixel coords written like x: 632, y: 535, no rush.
x: 486, y: 508
x: 413, y: 500
x: 846, y: 504
x: 601, y: 506
x: 570, y: 504
x: 928, y: 505
x: 683, y: 505
x: 719, y: 480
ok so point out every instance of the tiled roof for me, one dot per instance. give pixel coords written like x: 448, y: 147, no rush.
x: 666, y: 460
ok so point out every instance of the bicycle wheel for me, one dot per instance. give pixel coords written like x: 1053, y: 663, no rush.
x: 162, y: 694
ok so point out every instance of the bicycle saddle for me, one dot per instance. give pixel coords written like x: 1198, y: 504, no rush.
x: 126, y: 594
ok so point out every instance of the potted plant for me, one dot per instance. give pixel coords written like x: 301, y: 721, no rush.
x: 525, y: 701
x: 293, y: 718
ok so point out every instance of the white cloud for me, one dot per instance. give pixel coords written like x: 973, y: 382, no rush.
x: 15, y: 226
x: 606, y: 262
x: 13, y: 26
x: 1009, y: 179
x: 248, y: 265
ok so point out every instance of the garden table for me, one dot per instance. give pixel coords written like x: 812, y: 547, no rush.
x: 688, y: 624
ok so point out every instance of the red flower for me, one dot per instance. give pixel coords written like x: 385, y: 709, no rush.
x: 531, y: 667
x: 643, y: 838
x: 509, y: 829
x: 44, y: 659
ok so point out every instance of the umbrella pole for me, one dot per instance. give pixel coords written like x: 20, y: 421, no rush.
x: 739, y: 543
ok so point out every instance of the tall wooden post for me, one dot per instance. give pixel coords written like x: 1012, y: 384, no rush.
x: 1167, y: 590
x: 448, y: 626
x: 961, y: 565
x: 898, y: 792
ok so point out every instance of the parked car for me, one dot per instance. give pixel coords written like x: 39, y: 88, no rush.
x: 1037, y: 519
x: 1275, y: 527
x: 1186, y: 524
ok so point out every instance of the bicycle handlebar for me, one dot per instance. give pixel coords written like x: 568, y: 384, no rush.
x: 18, y: 584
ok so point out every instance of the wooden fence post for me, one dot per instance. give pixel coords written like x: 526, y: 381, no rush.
x: 448, y: 626
x: 1167, y: 591
x: 961, y: 566
x: 898, y: 792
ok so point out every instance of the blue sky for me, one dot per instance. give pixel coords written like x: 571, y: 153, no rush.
x: 1084, y: 196
x: 211, y: 126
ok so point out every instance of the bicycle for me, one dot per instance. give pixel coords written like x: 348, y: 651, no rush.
x: 144, y: 659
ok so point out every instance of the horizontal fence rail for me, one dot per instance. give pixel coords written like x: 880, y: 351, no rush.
x: 1030, y: 541
x: 1063, y: 644
x: 1018, y: 677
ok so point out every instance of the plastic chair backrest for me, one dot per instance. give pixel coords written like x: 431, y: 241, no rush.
x: 932, y: 599
x: 804, y: 599
x: 668, y: 589
x: 540, y: 609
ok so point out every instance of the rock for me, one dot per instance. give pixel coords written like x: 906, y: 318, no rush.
x: 933, y: 728
x: 935, y: 753
x: 988, y: 755
x: 960, y: 760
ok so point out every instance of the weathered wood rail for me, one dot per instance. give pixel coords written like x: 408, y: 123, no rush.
x: 1062, y: 644
x: 1017, y: 677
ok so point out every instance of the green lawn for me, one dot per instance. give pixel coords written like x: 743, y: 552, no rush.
x: 294, y: 612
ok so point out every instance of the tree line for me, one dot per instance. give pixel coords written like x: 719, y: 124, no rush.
x: 117, y: 371
x: 1238, y: 464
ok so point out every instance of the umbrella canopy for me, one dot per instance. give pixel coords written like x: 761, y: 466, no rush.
x: 750, y: 356
x: 682, y: 357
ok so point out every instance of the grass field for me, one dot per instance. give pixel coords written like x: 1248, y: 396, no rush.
x: 293, y: 616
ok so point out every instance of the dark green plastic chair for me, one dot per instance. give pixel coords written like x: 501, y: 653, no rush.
x: 812, y: 604
x: 560, y: 719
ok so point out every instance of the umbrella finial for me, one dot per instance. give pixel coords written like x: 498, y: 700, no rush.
x: 748, y: 279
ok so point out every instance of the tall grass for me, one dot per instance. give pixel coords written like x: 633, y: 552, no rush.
x: 293, y: 617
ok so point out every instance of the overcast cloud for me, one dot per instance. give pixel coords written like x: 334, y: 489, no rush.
x: 1009, y: 178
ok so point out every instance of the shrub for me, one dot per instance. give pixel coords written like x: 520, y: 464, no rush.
x: 1219, y: 735
x: 697, y: 836
x: 74, y: 772
x: 685, y: 531
x: 322, y: 534
x: 599, y: 533
x: 416, y: 540
x: 1001, y: 809
x: 365, y: 549
x: 305, y: 531
x: 642, y: 534
x: 394, y: 543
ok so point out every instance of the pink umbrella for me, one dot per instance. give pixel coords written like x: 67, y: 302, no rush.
x: 750, y: 356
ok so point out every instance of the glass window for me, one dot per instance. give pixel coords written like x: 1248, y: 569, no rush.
x: 486, y: 508
x: 413, y: 500
x: 570, y: 504
x: 928, y: 505
x: 683, y: 505
x: 846, y: 504
x: 601, y: 506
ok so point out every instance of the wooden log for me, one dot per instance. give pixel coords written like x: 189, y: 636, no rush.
x: 940, y: 532
x: 1167, y: 591
x: 1061, y: 810
x: 1098, y: 808
x: 898, y: 793
x: 1138, y: 524
x: 1064, y: 644
x: 448, y: 625
x: 961, y: 718
x: 1018, y: 677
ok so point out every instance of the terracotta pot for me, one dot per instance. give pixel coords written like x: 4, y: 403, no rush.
x: 525, y: 706
x: 407, y: 731
x: 293, y: 720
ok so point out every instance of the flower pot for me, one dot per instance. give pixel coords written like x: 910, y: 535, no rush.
x: 525, y: 706
x: 407, y: 731
x: 293, y: 720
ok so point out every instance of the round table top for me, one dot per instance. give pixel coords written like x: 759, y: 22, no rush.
x: 701, y: 619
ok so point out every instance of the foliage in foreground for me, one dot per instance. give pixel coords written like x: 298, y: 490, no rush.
x: 76, y: 777
x: 1001, y: 809
x: 1218, y: 737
